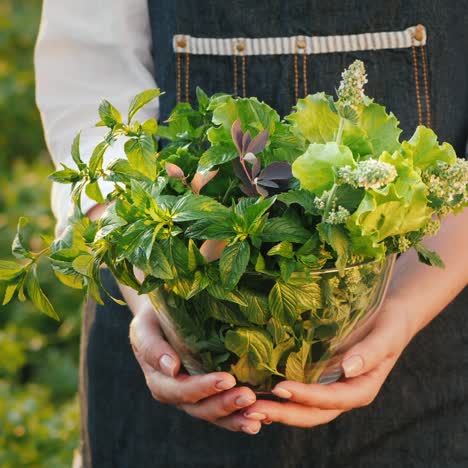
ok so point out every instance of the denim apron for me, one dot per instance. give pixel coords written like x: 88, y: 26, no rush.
x: 280, y: 50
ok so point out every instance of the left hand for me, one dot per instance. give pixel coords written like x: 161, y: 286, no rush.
x: 366, y: 365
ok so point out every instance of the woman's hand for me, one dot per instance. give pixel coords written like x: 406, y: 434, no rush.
x: 210, y: 397
x: 366, y: 365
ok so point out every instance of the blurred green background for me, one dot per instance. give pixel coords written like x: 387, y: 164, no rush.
x: 39, y: 420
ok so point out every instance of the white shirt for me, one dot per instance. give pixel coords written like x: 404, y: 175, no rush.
x: 88, y: 50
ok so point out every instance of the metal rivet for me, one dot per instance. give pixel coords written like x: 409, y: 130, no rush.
x: 181, y: 43
x: 301, y: 43
x: 419, y: 33
x: 240, y: 46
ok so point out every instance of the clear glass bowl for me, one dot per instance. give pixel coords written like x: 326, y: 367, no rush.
x: 347, y: 307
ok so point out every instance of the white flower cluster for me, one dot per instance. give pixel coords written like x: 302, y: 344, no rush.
x: 431, y: 228
x: 404, y: 244
x: 351, y: 90
x: 337, y: 216
x: 321, y: 202
x: 368, y: 174
x: 449, y: 182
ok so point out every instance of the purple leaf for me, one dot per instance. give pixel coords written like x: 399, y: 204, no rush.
x: 236, y: 133
x: 246, y: 141
x: 239, y: 171
x: 173, y: 170
x: 267, y: 183
x: 258, y: 143
x: 249, y: 190
x: 250, y: 157
x: 256, y: 168
x: 261, y: 191
x: 280, y: 170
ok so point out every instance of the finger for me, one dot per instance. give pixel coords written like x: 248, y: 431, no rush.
x: 151, y: 349
x: 239, y: 423
x: 293, y: 414
x: 343, y: 395
x: 387, y: 339
x: 221, y: 405
x: 186, y: 389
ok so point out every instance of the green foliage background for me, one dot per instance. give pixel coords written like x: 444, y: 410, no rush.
x: 39, y: 422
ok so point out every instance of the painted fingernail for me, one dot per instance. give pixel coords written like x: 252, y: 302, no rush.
x: 281, y: 392
x: 167, y: 364
x: 352, y: 366
x: 250, y: 430
x: 224, y: 384
x: 255, y: 416
x: 244, y: 401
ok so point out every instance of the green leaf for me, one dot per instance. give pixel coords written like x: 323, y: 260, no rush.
x: 10, y: 271
x: 215, y: 229
x: 278, y: 330
x: 233, y: 263
x: 217, y: 291
x: 283, y: 249
x: 224, y: 312
x: 20, y: 248
x: 94, y: 192
x: 141, y: 154
x: 159, y: 265
x: 216, y: 155
x: 109, y: 114
x: 75, y: 152
x: 313, y: 119
x: 279, y: 353
x: 65, y: 176
x: 316, y: 168
x: 283, y: 303
x: 194, y: 207
x: 256, y: 309
x: 252, y: 342
x: 285, y: 229
x: 336, y: 236
x: 252, y: 214
x: 97, y: 158
x: 141, y: 100
x: 37, y: 296
x: 429, y: 257
x: 303, y: 198
x: 247, y: 372
x: 150, y: 126
x: 195, y: 258
x: 426, y: 151
x: 109, y: 222
x: 203, y: 99
x: 296, y: 362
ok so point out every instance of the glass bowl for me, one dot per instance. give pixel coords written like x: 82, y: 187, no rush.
x: 339, y: 314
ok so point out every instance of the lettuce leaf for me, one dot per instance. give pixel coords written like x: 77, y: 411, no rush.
x: 315, y: 169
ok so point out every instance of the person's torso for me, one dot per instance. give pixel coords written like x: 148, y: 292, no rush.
x: 279, y: 50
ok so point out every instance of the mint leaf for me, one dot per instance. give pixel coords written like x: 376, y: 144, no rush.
x: 37, y: 296
x: 109, y: 114
x: 303, y: 198
x: 10, y: 271
x: 233, y: 263
x: 94, y: 192
x: 20, y: 248
x: 429, y: 257
x: 283, y: 303
x: 283, y: 249
x: 252, y: 342
x: 97, y: 158
x: 194, y: 207
x: 337, y: 237
x: 256, y: 309
x: 216, y: 155
x: 75, y: 152
x: 141, y: 155
x: 285, y: 229
x: 141, y: 100
x: 296, y: 362
x: 65, y: 176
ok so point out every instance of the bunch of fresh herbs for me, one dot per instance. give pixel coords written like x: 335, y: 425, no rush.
x: 282, y: 200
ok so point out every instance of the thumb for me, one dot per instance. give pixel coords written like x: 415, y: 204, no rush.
x: 378, y: 345
x: 151, y: 349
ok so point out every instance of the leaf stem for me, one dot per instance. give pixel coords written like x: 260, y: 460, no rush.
x: 340, y: 131
x: 330, y: 198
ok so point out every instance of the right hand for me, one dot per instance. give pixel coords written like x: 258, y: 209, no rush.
x: 210, y: 397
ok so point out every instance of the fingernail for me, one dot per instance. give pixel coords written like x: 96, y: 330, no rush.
x: 267, y: 421
x: 250, y: 430
x: 167, y: 364
x: 281, y: 392
x: 244, y: 401
x: 224, y: 384
x: 352, y: 366
x: 255, y: 416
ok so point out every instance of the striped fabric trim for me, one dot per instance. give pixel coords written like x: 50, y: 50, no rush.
x: 300, y: 44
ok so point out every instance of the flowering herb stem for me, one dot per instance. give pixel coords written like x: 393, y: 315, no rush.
x: 340, y: 131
